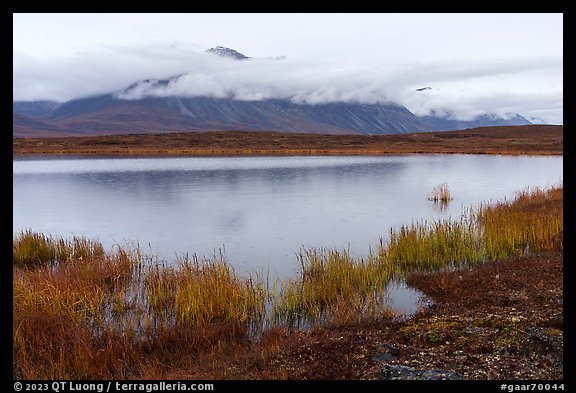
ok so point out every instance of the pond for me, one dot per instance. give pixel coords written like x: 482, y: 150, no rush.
x: 259, y: 211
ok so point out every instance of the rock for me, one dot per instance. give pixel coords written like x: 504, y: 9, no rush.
x: 385, y: 353
x: 397, y: 372
x: 382, y: 358
x: 222, y: 51
x: 541, y: 338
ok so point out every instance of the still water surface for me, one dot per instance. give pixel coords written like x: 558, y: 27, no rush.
x: 259, y: 210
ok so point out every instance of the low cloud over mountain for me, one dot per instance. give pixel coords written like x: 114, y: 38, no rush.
x: 464, y: 91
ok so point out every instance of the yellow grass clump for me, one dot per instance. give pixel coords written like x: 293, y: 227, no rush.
x: 440, y: 193
x: 204, y: 291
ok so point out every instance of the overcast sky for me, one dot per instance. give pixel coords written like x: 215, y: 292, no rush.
x: 473, y: 63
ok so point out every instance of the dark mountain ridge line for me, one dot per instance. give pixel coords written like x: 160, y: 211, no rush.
x: 106, y: 114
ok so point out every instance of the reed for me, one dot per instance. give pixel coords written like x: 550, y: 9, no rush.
x: 440, y: 193
x: 60, y: 317
x: 333, y: 287
x: 204, y: 291
x: 33, y: 249
x: 430, y: 246
x: 532, y: 221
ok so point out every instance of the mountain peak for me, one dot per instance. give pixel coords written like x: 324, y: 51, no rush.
x: 227, y: 52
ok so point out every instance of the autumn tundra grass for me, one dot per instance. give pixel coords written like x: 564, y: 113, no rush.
x: 334, y: 287
x: 531, y: 222
x: 200, y: 292
x: 82, y: 313
x: 33, y: 249
x: 61, y: 323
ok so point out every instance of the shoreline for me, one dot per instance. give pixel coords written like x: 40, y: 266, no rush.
x: 502, y: 320
x: 511, y: 140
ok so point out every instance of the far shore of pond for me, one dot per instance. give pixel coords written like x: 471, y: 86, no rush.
x: 505, y: 140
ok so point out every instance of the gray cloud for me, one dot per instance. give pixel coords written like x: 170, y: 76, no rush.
x: 525, y: 86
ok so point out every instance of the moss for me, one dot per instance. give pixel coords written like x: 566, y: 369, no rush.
x: 436, y: 337
x: 435, y: 330
x: 508, y: 336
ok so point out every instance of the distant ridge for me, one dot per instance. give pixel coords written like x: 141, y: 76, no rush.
x: 437, y: 123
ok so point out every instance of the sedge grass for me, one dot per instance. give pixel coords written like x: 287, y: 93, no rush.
x: 440, y: 193
x: 532, y: 221
x: 32, y: 249
x: 60, y: 319
x: 204, y: 291
x: 332, y: 287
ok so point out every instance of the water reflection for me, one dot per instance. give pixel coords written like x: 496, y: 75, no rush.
x: 261, y: 210
x: 441, y: 206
